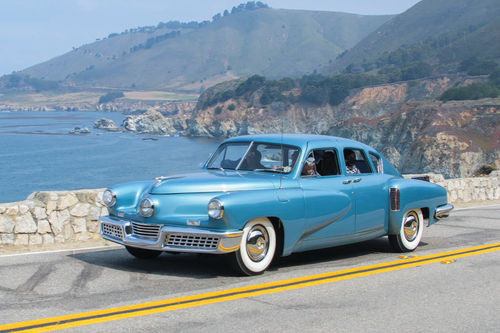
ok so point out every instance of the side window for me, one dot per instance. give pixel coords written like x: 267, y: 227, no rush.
x: 328, y: 163
x: 377, y: 163
x: 321, y: 162
x: 356, y: 162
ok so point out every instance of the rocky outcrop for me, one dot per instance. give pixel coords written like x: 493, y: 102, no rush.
x: 106, y: 125
x: 152, y: 122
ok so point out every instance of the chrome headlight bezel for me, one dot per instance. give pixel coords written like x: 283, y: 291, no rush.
x: 146, y: 207
x: 215, y: 209
x: 109, y: 197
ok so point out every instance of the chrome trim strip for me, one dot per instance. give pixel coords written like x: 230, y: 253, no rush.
x: 443, y: 211
x: 229, y: 241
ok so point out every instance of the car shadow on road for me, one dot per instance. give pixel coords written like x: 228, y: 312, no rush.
x: 205, y: 266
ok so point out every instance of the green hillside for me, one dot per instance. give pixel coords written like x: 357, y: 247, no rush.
x: 270, y: 42
x: 440, y: 33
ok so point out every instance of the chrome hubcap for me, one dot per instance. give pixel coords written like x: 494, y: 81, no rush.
x: 411, y: 226
x: 257, y: 243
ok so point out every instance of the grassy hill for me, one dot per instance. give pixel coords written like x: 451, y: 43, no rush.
x: 442, y: 33
x: 270, y: 42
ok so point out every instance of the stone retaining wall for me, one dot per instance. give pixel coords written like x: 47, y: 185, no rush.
x: 463, y: 190
x: 52, y: 217
x: 69, y: 216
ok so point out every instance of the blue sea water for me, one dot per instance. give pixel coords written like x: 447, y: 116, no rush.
x: 37, y: 153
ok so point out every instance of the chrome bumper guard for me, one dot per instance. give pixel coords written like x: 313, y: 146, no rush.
x: 443, y: 211
x: 166, y: 238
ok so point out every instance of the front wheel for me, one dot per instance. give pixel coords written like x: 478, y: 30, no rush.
x: 142, y: 253
x: 257, y: 247
x: 410, y: 233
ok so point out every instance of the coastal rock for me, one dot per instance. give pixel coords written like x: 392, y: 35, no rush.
x: 79, y: 131
x: 106, y: 124
x: 150, y: 122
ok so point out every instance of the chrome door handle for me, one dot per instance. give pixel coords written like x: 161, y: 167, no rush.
x: 347, y: 181
x: 357, y: 180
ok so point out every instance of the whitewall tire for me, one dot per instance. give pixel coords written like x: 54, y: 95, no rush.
x: 410, y: 233
x: 257, y: 247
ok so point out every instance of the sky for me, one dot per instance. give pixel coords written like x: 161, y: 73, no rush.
x: 34, y: 31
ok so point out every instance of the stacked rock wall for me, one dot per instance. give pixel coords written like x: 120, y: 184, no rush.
x: 52, y: 217
x: 70, y: 216
x: 465, y: 190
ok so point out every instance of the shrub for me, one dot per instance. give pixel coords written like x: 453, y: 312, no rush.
x: 470, y: 92
x: 218, y: 110
x: 110, y: 97
x: 231, y: 107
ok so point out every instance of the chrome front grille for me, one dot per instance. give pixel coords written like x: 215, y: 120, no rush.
x: 192, y: 241
x: 111, y: 230
x: 146, y: 230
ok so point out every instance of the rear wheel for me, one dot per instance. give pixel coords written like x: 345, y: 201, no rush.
x: 257, y: 248
x: 142, y: 253
x: 410, y: 233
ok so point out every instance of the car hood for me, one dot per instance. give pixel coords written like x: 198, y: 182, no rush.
x: 214, y: 181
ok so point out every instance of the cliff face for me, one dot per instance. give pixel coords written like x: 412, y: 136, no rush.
x: 399, y: 120
x: 454, y: 138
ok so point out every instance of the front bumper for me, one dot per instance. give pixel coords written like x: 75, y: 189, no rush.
x: 165, y: 238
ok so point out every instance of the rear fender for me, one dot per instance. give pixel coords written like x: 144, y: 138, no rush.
x: 415, y: 194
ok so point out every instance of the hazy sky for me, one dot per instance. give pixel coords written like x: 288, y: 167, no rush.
x: 33, y: 31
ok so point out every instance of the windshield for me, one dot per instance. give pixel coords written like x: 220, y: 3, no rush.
x: 254, y: 156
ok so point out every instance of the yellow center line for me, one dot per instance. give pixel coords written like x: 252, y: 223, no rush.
x: 99, y: 316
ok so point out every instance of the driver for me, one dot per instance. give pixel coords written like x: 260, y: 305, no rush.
x: 309, y: 167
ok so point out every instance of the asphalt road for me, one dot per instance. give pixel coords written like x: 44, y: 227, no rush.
x: 457, y: 295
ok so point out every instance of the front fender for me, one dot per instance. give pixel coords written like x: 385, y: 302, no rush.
x: 128, y: 196
x: 241, y: 207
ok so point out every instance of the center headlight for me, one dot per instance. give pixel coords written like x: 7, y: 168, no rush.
x: 146, y: 207
x: 215, y: 209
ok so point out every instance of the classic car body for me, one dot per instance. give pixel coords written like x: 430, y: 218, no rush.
x: 252, y: 198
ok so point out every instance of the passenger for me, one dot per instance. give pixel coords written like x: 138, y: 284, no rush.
x: 350, y: 162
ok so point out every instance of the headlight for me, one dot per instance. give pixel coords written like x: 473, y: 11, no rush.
x: 215, y: 209
x: 109, y: 198
x: 146, y: 207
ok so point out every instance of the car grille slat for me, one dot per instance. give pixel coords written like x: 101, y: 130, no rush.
x: 112, y: 230
x: 192, y: 241
x: 146, y: 230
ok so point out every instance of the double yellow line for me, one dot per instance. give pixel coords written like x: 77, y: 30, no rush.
x: 93, y: 317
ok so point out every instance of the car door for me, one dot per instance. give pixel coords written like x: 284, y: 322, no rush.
x: 369, y: 188
x: 329, y: 204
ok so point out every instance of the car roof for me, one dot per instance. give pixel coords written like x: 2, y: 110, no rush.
x: 301, y: 140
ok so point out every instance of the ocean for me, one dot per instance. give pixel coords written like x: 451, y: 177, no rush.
x: 37, y: 153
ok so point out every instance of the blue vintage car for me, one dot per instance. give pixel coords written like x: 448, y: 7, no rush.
x: 262, y: 196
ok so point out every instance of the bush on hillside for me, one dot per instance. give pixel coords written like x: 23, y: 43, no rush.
x: 110, y: 97
x: 470, y: 92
